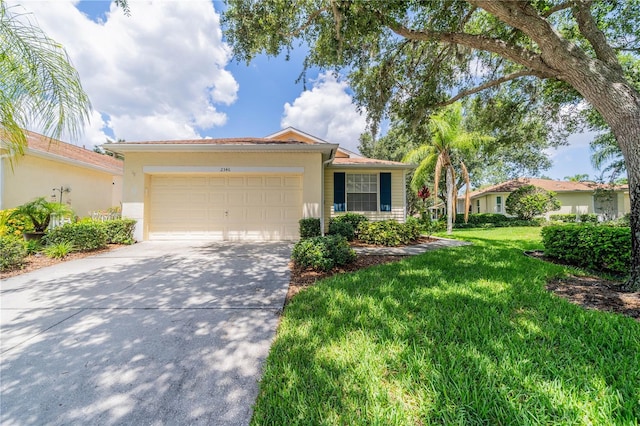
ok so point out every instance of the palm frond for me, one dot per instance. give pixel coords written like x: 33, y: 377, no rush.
x: 39, y: 86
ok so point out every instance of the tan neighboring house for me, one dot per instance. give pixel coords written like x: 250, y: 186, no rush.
x: 575, y: 197
x: 94, y: 180
x: 252, y: 189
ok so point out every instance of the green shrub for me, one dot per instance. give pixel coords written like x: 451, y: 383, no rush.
x: 309, y: 227
x: 119, y: 231
x: 589, y: 218
x: 343, y: 228
x: 388, y: 232
x: 12, y: 253
x: 507, y: 222
x: 33, y: 246
x: 354, y: 219
x: 567, y: 217
x: 606, y: 248
x: 478, y: 218
x: 323, y: 253
x: 529, y: 201
x: 84, y: 236
x: 59, y: 250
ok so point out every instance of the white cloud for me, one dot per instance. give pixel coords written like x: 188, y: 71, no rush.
x: 157, y: 74
x: 326, y: 111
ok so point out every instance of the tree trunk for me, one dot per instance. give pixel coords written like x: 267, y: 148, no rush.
x: 450, y: 199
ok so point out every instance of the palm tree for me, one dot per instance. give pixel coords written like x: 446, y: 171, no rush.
x: 607, y: 156
x: 449, y: 144
x: 38, y: 85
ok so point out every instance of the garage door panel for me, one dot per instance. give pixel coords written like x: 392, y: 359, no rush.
x: 225, y: 207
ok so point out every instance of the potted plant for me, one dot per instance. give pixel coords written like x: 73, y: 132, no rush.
x: 39, y: 212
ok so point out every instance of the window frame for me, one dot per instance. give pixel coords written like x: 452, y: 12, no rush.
x: 342, y: 206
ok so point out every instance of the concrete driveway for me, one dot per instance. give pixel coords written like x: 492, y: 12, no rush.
x: 155, y: 333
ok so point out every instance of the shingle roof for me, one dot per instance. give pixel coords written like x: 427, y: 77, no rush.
x: 364, y: 161
x: 547, y: 184
x: 38, y: 142
x: 220, y: 141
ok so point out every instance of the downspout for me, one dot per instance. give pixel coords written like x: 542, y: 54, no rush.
x: 324, y: 166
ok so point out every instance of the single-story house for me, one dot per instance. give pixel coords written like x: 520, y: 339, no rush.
x: 252, y: 189
x: 86, y: 180
x: 575, y: 197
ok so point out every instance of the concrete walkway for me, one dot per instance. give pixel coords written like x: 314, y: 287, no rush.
x: 412, y: 250
x: 156, y: 333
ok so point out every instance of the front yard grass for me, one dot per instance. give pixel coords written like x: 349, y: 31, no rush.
x: 456, y: 336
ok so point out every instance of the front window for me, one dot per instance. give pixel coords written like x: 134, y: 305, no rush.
x: 477, y: 206
x: 362, y: 192
x: 498, y: 204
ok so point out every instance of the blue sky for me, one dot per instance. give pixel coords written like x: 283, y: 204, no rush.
x: 165, y: 72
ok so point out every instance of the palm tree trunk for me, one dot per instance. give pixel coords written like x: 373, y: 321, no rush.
x: 450, y: 199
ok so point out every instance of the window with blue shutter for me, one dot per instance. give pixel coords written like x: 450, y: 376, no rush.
x: 385, y: 192
x: 339, y: 201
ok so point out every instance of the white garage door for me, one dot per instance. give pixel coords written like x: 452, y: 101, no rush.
x: 225, y: 207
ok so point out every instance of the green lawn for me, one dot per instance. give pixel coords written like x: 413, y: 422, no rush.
x: 455, y: 336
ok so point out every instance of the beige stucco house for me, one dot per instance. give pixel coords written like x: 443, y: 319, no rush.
x: 575, y: 197
x: 252, y: 189
x: 93, y: 181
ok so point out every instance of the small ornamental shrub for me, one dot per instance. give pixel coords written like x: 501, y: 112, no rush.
x: 529, y: 201
x: 354, y: 219
x: 309, y: 227
x: 119, y: 231
x: 567, y: 218
x: 59, y: 250
x: 606, y: 248
x: 84, y: 236
x: 12, y: 253
x: 343, y: 228
x: 388, y: 232
x: 323, y: 253
x: 33, y: 246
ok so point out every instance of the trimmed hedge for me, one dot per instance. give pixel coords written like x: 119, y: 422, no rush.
x: 309, y: 227
x: 12, y: 253
x: 589, y: 218
x: 84, y: 236
x: 389, y: 232
x: 323, y: 253
x: 567, y: 218
x: 510, y: 221
x: 605, y: 248
x: 478, y: 218
x: 119, y: 231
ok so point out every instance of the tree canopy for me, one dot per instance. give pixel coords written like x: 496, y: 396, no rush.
x: 407, y: 58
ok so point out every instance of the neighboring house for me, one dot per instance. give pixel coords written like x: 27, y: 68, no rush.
x: 252, y: 189
x: 575, y: 197
x: 94, y: 180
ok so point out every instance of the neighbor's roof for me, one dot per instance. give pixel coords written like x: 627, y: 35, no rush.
x: 61, y: 151
x: 547, y: 184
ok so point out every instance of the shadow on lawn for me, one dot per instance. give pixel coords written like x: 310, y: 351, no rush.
x: 466, y: 335
x: 156, y: 338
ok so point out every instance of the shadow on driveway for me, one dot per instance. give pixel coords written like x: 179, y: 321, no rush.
x: 155, y: 333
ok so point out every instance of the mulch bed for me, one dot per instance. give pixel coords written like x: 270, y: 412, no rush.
x: 38, y: 261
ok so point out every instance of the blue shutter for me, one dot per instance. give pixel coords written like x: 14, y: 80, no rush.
x: 385, y: 192
x: 339, y: 200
